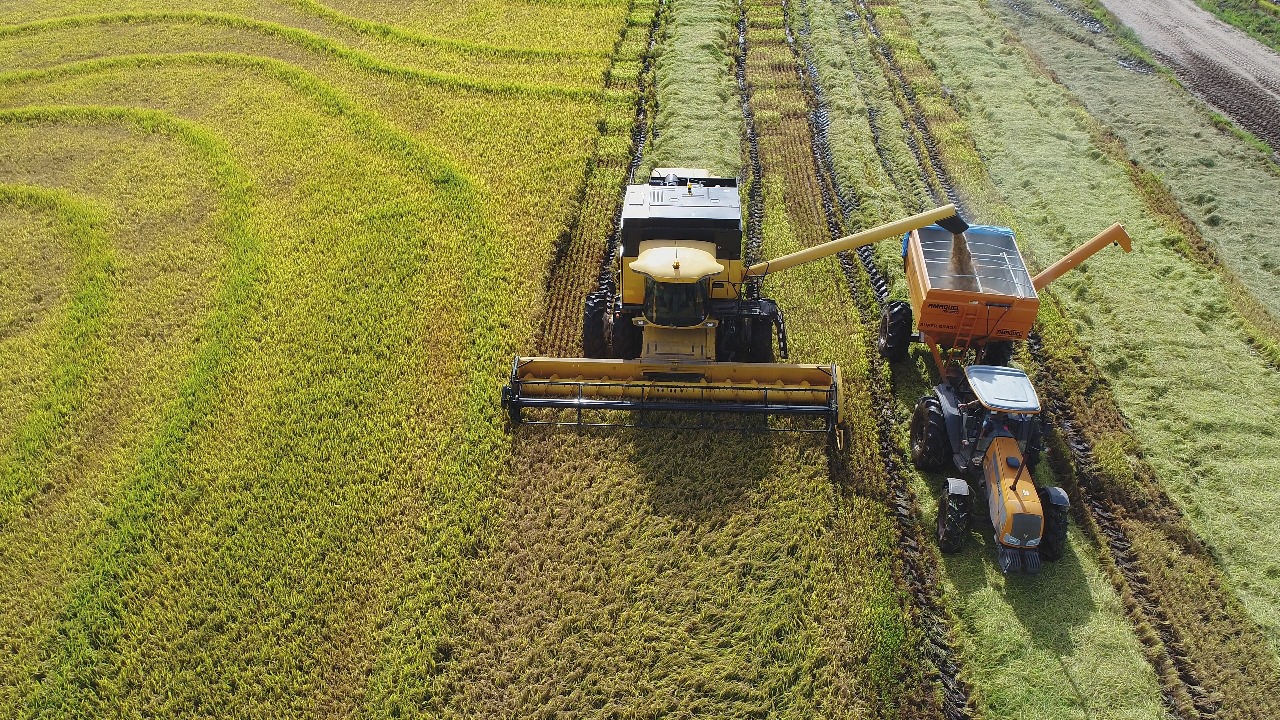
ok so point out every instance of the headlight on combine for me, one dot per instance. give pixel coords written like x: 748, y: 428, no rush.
x: 1033, y: 542
x: 1011, y: 540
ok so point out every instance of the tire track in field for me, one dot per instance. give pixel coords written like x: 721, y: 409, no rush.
x: 1181, y: 685
x: 918, y: 569
x: 581, y: 258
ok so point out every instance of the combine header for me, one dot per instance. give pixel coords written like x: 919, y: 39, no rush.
x: 680, y: 325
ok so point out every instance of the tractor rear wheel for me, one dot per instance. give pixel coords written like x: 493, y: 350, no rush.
x: 895, y: 330
x: 996, y: 352
x: 594, y: 344
x: 625, y: 338
x: 930, y: 446
x: 1053, y: 543
x: 953, y: 522
x: 761, y: 341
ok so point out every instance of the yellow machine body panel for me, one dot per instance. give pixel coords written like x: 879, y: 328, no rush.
x: 1013, y: 501
x: 724, y: 284
x: 696, y: 343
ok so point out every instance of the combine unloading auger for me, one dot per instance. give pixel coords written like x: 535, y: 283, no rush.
x: 681, y: 327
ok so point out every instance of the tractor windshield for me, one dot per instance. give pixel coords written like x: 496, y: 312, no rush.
x: 673, y: 304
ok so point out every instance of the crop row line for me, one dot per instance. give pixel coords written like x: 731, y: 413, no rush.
x: 303, y: 39
x: 919, y: 571
x: 580, y: 257
x: 916, y: 571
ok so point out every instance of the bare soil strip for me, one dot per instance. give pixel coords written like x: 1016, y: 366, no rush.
x: 1228, y: 69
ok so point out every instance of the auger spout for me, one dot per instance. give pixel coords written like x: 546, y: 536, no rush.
x: 945, y: 216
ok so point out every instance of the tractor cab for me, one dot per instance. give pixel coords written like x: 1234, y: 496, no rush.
x: 1003, y: 404
x: 985, y: 424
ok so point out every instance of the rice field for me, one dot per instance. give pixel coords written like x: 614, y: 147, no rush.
x: 267, y: 263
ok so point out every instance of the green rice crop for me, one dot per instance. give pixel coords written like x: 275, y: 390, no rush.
x: 699, y: 117
x: 283, y: 485
x: 1046, y: 160
x: 1184, y: 373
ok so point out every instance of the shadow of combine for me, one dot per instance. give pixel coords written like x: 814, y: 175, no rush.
x: 703, y: 474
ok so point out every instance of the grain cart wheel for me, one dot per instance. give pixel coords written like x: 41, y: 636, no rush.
x: 953, y: 519
x: 996, y: 352
x: 895, y: 330
x: 1053, y: 543
x: 930, y: 447
x: 594, y: 344
x: 625, y: 338
x: 761, y: 341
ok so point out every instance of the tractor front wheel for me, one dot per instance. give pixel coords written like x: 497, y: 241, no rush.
x: 1053, y: 543
x: 895, y: 330
x: 953, y: 522
x: 930, y: 446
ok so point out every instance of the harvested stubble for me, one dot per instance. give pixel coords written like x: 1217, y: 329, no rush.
x: 1054, y: 185
x: 879, y: 156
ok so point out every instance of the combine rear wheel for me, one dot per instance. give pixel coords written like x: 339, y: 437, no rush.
x: 1053, y: 543
x: 953, y: 522
x: 930, y: 447
x: 895, y: 330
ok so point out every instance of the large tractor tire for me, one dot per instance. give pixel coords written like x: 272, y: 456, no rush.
x: 996, y: 352
x: 930, y: 446
x: 1053, y: 542
x: 625, y: 339
x: 594, y: 342
x: 761, y: 341
x: 953, y: 522
x: 895, y: 330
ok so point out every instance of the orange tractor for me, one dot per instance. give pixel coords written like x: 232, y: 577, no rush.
x: 971, y: 293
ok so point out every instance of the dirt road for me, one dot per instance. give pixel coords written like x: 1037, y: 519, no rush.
x: 1233, y: 72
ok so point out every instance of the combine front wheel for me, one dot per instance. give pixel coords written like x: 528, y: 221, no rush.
x: 761, y: 341
x: 594, y: 343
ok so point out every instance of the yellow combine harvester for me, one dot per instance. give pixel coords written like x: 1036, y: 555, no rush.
x: 681, y: 325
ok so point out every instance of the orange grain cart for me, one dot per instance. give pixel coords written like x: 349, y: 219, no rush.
x: 972, y: 292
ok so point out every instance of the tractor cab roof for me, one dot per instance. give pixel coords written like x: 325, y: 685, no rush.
x: 1003, y: 389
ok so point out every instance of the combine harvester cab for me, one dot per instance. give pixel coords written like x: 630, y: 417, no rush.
x: 679, y: 325
x: 971, y: 296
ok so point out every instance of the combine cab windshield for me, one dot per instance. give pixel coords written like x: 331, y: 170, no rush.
x: 676, y: 304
